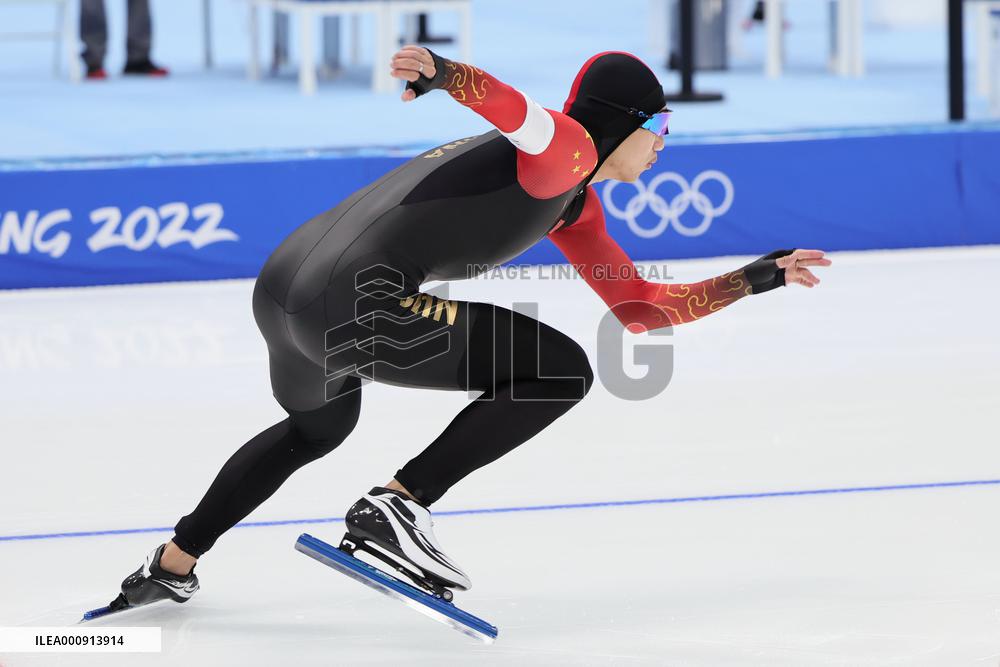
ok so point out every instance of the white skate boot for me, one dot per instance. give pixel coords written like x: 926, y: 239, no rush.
x: 399, y: 532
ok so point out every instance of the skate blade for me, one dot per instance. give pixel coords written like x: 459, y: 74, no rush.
x: 107, y: 611
x: 427, y: 604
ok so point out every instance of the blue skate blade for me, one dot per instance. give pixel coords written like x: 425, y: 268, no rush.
x: 429, y: 605
x: 97, y: 613
x: 106, y: 610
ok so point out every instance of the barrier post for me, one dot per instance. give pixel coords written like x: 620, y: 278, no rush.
x: 956, y: 61
x: 687, y: 92
x: 994, y: 57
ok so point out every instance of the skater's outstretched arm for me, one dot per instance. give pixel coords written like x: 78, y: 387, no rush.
x: 642, y: 305
x: 554, y: 152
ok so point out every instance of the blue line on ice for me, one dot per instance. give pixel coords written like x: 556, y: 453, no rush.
x: 541, y: 508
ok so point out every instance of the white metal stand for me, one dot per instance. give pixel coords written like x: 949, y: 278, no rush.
x: 386, y: 14
x: 63, y: 36
x: 774, y: 25
x: 849, y: 60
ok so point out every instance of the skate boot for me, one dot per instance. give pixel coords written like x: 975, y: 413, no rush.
x: 399, y: 532
x: 151, y: 583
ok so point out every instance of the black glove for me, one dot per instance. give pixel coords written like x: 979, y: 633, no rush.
x: 425, y: 84
x: 764, y: 274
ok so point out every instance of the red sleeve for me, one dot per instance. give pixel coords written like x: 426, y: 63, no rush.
x: 640, y: 305
x: 554, y: 152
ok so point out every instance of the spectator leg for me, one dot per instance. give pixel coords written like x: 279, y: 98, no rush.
x: 93, y: 32
x: 281, y: 37
x: 140, y: 31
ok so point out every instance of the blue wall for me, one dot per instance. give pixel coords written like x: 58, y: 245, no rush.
x: 157, y: 220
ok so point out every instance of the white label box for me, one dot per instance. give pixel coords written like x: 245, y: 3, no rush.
x: 79, y: 640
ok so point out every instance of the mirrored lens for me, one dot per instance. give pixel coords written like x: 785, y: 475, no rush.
x: 658, y: 124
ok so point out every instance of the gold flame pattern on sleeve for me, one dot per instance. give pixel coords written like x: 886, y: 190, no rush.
x: 685, y: 303
x: 466, y: 84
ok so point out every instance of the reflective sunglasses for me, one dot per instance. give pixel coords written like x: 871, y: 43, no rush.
x: 656, y: 123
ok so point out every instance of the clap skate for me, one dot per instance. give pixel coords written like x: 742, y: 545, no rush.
x: 395, y: 533
x: 147, y: 585
x: 398, y: 532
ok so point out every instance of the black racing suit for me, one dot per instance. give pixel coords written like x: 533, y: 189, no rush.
x: 339, y: 303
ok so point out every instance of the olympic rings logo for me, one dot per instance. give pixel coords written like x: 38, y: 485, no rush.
x: 690, y: 196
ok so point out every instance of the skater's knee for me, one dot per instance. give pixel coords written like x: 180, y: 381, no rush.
x: 564, y: 375
x: 321, y: 444
x: 323, y: 430
x: 568, y: 380
x: 337, y: 434
x: 560, y: 361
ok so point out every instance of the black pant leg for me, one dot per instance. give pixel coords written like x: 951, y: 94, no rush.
x: 262, y: 465
x: 93, y: 32
x: 530, y: 375
x: 140, y: 31
x: 316, y: 425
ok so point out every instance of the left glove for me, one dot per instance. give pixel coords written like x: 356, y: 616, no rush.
x: 425, y: 84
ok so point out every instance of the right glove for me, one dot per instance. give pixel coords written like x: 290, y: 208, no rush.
x: 764, y: 274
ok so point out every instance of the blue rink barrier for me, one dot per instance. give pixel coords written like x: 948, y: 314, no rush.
x: 196, y: 218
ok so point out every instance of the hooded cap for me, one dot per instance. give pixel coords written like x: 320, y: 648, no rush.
x: 623, y: 80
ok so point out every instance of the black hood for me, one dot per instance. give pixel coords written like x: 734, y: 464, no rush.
x: 621, y: 79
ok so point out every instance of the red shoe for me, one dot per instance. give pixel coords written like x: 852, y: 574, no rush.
x: 96, y: 73
x: 145, y: 68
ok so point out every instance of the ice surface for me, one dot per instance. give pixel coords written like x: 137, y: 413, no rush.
x: 120, y: 404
